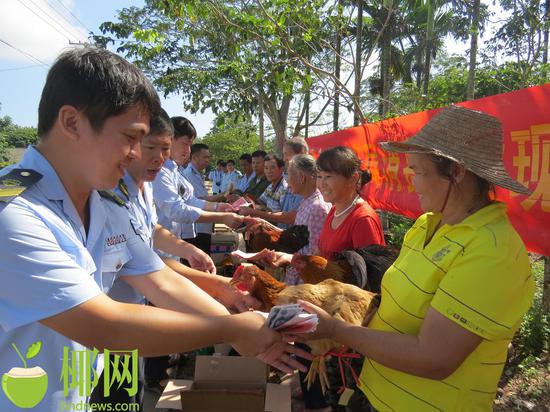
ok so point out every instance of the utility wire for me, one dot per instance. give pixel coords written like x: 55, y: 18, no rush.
x: 44, y: 20
x: 30, y: 56
x: 21, y: 68
x: 72, y: 14
x: 57, y: 21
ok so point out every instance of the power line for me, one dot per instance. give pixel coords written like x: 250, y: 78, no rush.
x: 44, y: 20
x: 72, y: 14
x: 24, y: 53
x: 56, y: 21
x: 21, y: 68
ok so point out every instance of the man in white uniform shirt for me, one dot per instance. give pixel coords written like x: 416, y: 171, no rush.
x: 63, y: 245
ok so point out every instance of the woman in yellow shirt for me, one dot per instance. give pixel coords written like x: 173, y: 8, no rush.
x: 455, y: 296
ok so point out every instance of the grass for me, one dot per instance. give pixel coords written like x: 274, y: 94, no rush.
x: 525, y: 383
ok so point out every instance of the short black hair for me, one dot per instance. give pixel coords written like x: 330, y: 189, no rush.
x: 220, y: 162
x: 183, y: 127
x: 247, y: 157
x: 259, y: 153
x: 96, y: 81
x: 231, y: 161
x: 343, y: 161
x: 197, y: 147
x: 280, y: 162
x: 161, y: 124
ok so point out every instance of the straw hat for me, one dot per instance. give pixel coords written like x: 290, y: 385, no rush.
x: 471, y: 138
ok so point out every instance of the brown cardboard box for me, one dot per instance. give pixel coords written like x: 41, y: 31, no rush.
x: 227, y: 384
x: 224, y: 242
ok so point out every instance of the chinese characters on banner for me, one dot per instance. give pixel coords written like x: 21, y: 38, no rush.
x: 525, y: 116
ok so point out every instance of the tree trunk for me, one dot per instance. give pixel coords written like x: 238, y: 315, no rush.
x: 420, y: 64
x: 280, y: 135
x: 357, y: 117
x: 261, y: 121
x: 336, y: 112
x: 278, y: 117
x: 429, y: 41
x: 385, y: 74
x: 306, y: 102
x: 546, y: 286
x: 474, y: 30
x: 546, y: 30
x: 337, y: 65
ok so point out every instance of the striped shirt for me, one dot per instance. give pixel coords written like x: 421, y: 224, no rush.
x: 273, y: 195
x: 476, y: 273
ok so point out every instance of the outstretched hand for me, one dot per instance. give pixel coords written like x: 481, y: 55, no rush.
x: 199, y: 260
x: 325, y: 327
x: 255, y: 338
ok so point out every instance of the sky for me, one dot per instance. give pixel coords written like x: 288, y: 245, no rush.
x: 40, y: 30
x: 34, y: 32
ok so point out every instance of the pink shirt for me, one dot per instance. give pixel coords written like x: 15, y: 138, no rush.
x: 312, y: 212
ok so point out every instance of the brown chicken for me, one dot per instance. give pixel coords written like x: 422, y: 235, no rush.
x: 362, y: 267
x: 290, y: 240
x: 343, y: 301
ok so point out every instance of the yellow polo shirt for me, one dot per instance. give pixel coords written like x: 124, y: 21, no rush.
x: 477, y: 274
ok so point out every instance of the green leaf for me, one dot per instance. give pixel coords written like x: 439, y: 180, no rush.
x: 34, y: 349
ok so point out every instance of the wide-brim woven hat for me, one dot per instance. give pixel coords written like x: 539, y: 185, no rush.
x: 471, y: 138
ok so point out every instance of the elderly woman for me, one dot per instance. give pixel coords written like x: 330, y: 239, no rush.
x: 312, y: 212
x: 455, y: 296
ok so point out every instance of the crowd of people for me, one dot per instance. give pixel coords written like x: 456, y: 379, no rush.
x: 106, y: 244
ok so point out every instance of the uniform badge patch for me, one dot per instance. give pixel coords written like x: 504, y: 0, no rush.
x: 16, y: 182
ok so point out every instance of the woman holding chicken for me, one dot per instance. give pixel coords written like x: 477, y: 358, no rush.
x: 456, y: 294
x: 351, y: 223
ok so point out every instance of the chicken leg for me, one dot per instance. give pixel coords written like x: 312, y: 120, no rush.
x: 318, y: 367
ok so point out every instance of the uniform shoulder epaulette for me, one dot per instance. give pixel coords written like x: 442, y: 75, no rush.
x: 112, y: 196
x: 124, y: 189
x: 16, y: 182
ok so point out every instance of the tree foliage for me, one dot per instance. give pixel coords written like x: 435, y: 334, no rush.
x: 233, y: 140
x: 219, y: 55
x: 16, y: 136
x: 449, y: 85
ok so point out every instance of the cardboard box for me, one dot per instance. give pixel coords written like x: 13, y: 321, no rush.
x: 227, y: 384
x: 223, y: 242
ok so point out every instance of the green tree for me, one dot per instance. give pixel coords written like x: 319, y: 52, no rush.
x: 521, y: 37
x: 17, y: 136
x: 234, y: 139
x: 449, y: 84
x: 20, y: 136
x: 4, y: 154
x: 220, y: 55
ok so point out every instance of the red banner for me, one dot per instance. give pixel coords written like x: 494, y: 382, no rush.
x: 525, y: 115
